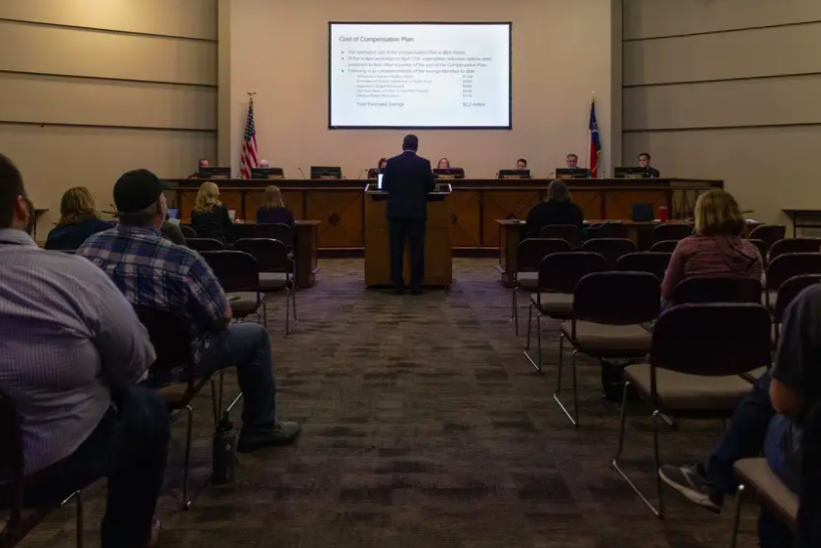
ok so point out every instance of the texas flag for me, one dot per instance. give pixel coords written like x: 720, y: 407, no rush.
x: 595, y: 142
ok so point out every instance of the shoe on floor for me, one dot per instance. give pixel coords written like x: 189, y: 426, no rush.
x: 690, y: 481
x: 281, y: 433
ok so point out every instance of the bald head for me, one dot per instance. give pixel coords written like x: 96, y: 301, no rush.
x: 264, y: 164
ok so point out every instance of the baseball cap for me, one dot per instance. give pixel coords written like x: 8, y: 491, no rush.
x: 136, y: 190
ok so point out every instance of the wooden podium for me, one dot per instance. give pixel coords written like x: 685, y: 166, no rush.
x: 438, y: 249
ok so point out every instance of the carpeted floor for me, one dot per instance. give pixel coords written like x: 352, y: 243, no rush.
x: 425, y: 426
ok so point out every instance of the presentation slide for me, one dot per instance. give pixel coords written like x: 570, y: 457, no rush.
x: 419, y: 75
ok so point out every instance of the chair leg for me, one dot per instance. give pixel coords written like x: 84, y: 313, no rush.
x: 739, y: 500
x: 514, y: 311
x: 574, y: 418
x: 290, y: 300
x: 186, y: 503
x: 264, y: 313
x: 537, y: 364
x: 79, y: 501
x: 214, y: 401
x: 616, y: 459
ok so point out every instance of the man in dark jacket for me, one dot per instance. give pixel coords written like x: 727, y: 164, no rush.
x: 408, y: 179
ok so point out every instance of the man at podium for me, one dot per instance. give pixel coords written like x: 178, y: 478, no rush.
x: 407, y: 179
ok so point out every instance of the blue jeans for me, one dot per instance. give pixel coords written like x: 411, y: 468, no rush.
x: 129, y: 446
x: 755, y: 427
x: 247, y: 346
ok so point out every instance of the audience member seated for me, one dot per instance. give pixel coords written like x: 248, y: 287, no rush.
x: 155, y: 274
x: 559, y: 209
x: 79, y: 219
x: 716, y: 248
x: 71, y: 350
x: 210, y: 217
x: 444, y: 163
x: 273, y: 209
x: 768, y: 420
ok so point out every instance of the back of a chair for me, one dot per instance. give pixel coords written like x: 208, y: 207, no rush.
x: 618, y: 298
x: 789, y: 290
x: 170, y: 335
x: 762, y: 249
x: 795, y: 245
x: 204, y: 244
x: 717, y: 289
x: 786, y: 266
x: 187, y: 231
x: 12, y: 461
x: 769, y: 234
x: 612, y: 249
x: 530, y: 252
x: 236, y: 270
x: 560, y: 272
x: 671, y: 231
x: 646, y: 261
x: 608, y: 230
x: 570, y: 233
x: 275, y: 231
x: 271, y: 255
x: 664, y: 246
x: 712, y: 339
x: 808, y: 520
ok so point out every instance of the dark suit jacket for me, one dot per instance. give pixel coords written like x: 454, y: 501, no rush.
x: 651, y: 173
x: 408, y: 179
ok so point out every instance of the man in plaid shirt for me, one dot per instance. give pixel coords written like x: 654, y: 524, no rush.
x: 154, y: 273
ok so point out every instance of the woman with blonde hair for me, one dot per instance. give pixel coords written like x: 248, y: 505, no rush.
x: 558, y: 209
x: 273, y: 209
x: 210, y: 218
x: 716, y: 248
x: 79, y: 219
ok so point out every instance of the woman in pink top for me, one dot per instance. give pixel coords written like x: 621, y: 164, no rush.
x: 716, y: 248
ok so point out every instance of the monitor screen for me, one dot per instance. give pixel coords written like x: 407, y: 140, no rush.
x: 173, y: 213
x: 419, y: 75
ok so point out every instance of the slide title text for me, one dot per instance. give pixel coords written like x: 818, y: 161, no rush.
x: 376, y: 39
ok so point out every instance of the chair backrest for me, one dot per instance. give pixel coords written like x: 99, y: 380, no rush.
x: 664, y: 246
x: 712, y: 339
x: 784, y: 267
x: 12, y: 460
x: 646, y: 261
x: 762, y: 249
x: 608, y: 230
x: 808, y: 519
x: 235, y: 270
x: 612, y: 249
x: 187, y: 231
x: 271, y: 255
x: 769, y: 234
x: 204, y: 244
x: 619, y: 298
x: 717, y: 289
x: 789, y: 290
x: 795, y: 245
x: 570, y: 233
x: 562, y: 271
x: 530, y: 252
x: 671, y: 231
x: 170, y: 335
x: 275, y: 231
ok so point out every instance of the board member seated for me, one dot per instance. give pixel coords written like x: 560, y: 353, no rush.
x: 644, y: 163
x: 558, y: 209
x: 444, y: 163
x: 521, y: 164
x: 383, y: 163
x: 717, y: 247
x: 79, y: 219
x: 273, y: 208
x: 210, y: 218
x: 263, y: 164
x: 572, y: 161
x: 203, y: 164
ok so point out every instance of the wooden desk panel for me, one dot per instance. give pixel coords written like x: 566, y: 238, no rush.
x: 341, y: 213
x: 619, y: 205
x: 505, y: 204
x: 465, y: 208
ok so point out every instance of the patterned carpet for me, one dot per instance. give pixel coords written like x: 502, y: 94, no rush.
x: 425, y: 426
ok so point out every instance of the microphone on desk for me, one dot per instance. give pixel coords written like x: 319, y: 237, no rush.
x: 361, y: 172
x: 302, y: 172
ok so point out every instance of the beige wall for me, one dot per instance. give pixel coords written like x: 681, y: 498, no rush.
x: 92, y: 88
x: 728, y: 89
x: 562, y: 52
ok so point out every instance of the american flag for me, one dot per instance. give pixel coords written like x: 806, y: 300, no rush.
x: 248, y: 157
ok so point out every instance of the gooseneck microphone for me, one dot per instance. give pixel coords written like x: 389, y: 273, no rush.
x: 302, y: 172
x: 363, y: 171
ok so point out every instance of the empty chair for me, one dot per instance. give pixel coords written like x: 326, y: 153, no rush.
x: 784, y: 267
x: 671, y: 231
x: 698, y: 353
x: 608, y: 230
x: 762, y: 249
x: 238, y: 275
x: 769, y: 234
x: 275, y: 231
x: 569, y: 233
x: 787, y: 293
x: 609, y: 309
x: 558, y: 275
x: 755, y: 474
x: 717, y: 289
x: 529, y: 256
x: 187, y: 231
x: 646, y: 261
x: 664, y: 246
x: 612, y: 249
x: 204, y: 244
x: 277, y: 271
x: 795, y: 245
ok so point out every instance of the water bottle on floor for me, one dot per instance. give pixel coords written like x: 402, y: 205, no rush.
x: 224, y: 459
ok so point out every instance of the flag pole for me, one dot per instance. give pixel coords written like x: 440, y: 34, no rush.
x: 588, y: 140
